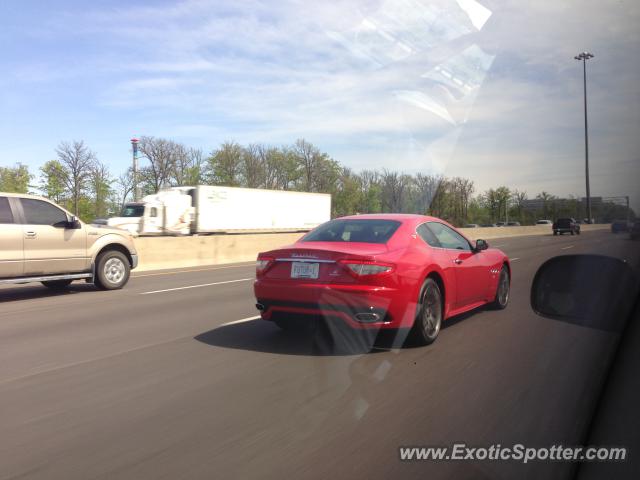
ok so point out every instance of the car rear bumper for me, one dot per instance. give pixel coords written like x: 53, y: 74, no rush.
x: 360, y: 307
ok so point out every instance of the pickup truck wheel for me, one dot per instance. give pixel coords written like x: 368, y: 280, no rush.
x: 112, y: 270
x: 57, y: 284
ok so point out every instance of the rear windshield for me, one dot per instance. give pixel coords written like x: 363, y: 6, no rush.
x: 363, y: 231
x: 564, y: 221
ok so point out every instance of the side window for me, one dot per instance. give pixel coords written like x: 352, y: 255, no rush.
x: 37, y: 212
x: 448, y: 238
x: 5, y: 211
x: 427, y: 235
x: 154, y: 212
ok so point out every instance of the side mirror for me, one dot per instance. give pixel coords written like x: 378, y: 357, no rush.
x: 590, y: 290
x: 73, y: 223
x: 481, y: 245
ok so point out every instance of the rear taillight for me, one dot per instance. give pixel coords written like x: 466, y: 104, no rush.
x: 363, y: 268
x: 263, y: 264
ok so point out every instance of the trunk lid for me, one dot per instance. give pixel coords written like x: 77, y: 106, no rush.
x: 327, y: 257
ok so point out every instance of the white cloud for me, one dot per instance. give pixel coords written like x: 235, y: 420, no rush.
x: 367, y: 79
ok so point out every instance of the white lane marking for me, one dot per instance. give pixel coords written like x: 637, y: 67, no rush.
x: 175, y: 272
x: 196, y: 286
x: 514, y: 259
x: 501, y: 245
x: 567, y: 248
x: 242, y: 320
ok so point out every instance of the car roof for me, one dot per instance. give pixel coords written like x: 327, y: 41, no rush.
x: 400, y: 217
x: 23, y: 195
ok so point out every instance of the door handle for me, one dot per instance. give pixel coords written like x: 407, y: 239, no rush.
x: 30, y: 234
x: 457, y: 261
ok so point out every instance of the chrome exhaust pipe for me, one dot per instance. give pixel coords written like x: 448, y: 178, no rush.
x: 367, y: 317
x: 260, y: 307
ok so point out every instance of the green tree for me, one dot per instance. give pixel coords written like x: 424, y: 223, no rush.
x: 547, y: 204
x: 503, y: 195
x: 53, y: 180
x: 347, y: 194
x: 253, y: 166
x: 101, y: 190
x: 283, y: 168
x: 15, y: 179
x: 78, y: 162
x: 517, y: 200
x: 224, y: 165
x: 188, y: 167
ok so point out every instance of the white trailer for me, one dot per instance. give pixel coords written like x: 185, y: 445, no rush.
x: 211, y: 209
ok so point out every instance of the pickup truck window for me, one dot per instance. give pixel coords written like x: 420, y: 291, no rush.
x: 5, y: 211
x: 37, y: 212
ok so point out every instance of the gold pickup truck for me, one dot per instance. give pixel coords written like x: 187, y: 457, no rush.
x: 42, y: 242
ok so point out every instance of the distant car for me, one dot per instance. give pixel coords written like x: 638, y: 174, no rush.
x: 566, y: 225
x: 471, y: 225
x: 513, y: 224
x: 500, y: 224
x: 544, y: 222
x: 618, y: 226
x: 634, y: 231
x: 380, y: 271
x: 486, y: 225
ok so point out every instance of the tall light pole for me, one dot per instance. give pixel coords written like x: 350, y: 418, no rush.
x: 584, y: 56
x: 136, y: 192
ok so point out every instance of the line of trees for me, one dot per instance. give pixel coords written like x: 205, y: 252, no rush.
x: 77, y: 180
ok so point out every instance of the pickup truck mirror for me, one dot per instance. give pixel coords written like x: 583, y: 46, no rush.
x: 595, y: 291
x: 73, y: 223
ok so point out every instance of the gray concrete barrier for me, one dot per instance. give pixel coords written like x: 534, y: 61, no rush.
x: 500, y: 232
x: 157, y: 253
x: 175, y: 252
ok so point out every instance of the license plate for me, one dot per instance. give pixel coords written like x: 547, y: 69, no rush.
x: 304, y: 270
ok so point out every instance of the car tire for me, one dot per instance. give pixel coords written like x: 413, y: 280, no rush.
x: 501, y: 299
x: 429, y: 311
x: 555, y: 233
x: 57, y: 284
x: 572, y: 232
x: 112, y: 270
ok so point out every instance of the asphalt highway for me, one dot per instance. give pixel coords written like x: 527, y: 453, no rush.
x: 174, y: 377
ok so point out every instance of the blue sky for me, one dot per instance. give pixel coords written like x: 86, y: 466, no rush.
x: 488, y: 90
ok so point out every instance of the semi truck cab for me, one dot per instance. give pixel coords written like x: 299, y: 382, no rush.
x: 168, y: 212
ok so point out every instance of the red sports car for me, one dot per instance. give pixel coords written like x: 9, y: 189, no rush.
x: 386, y: 271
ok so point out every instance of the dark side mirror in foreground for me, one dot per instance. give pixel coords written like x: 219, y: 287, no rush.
x: 73, y: 223
x: 591, y: 290
x: 481, y: 245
